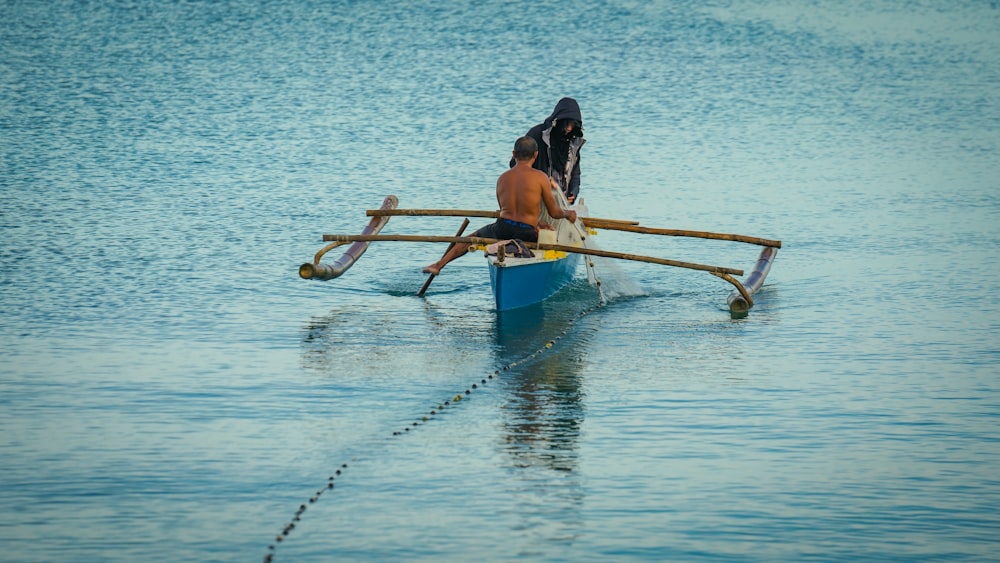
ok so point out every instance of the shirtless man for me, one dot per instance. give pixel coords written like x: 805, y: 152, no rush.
x: 520, y: 193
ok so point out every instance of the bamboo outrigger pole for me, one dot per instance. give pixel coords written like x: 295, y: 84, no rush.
x: 594, y: 222
x: 684, y: 233
x: 478, y: 213
x: 338, y: 240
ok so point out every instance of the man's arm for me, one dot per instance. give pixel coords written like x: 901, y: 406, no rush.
x: 555, y: 210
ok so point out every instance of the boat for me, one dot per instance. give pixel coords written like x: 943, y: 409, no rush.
x: 522, y: 279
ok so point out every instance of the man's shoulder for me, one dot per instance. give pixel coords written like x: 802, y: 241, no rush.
x: 542, y: 176
x: 534, y: 174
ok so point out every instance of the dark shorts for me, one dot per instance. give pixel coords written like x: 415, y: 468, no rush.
x: 505, y: 229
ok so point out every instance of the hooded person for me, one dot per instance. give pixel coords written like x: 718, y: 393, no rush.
x: 559, y: 139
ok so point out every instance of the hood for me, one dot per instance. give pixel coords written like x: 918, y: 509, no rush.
x: 566, y: 108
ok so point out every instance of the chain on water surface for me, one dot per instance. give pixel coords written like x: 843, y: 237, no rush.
x: 432, y: 413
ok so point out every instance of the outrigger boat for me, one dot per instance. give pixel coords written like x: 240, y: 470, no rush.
x: 520, y: 280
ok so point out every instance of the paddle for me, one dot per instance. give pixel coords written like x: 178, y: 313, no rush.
x: 430, y: 277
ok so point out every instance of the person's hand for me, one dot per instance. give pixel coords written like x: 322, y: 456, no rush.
x: 552, y: 183
x: 571, y: 198
x: 571, y: 215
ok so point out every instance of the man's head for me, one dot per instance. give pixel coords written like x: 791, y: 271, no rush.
x: 569, y: 128
x: 525, y: 148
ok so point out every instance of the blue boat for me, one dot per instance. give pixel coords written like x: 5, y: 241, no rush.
x: 520, y: 282
x: 530, y: 280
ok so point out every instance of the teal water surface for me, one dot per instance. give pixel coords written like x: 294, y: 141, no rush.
x: 170, y: 389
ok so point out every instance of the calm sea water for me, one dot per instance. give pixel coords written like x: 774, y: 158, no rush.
x: 170, y: 389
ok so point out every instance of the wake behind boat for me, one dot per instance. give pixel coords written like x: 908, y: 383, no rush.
x: 520, y: 279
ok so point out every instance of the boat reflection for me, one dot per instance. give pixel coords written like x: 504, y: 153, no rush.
x: 542, y: 413
x: 543, y: 408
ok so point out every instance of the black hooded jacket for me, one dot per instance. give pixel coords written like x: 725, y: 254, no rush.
x: 560, y: 157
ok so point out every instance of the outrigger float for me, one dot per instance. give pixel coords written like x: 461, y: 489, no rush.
x: 519, y: 281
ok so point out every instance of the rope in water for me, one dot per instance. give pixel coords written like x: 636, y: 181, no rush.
x: 594, y: 280
x: 432, y: 413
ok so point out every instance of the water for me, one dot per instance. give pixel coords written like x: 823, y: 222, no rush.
x: 169, y: 388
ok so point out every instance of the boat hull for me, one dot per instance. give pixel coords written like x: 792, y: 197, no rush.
x: 522, y: 282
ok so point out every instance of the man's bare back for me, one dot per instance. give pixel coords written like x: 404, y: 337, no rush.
x: 521, y: 191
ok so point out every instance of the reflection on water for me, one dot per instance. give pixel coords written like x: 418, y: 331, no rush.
x: 542, y: 412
